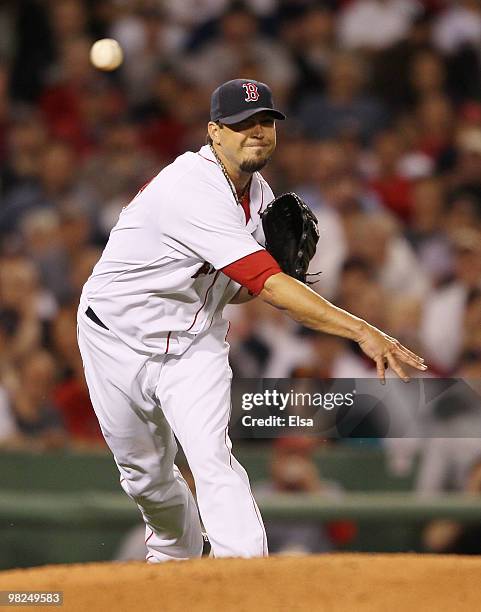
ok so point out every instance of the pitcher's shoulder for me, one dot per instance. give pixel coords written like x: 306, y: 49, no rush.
x: 181, y: 164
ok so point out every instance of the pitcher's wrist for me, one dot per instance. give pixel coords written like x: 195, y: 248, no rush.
x: 361, y: 330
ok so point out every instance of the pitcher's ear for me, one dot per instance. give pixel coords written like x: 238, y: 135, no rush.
x: 213, y: 129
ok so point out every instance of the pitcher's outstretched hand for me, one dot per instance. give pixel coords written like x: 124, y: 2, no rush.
x: 388, y: 352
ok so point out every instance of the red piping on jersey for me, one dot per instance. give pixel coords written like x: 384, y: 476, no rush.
x: 264, y: 547
x: 212, y: 319
x: 151, y: 534
x: 225, y: 442
x: 168, y: 342
x: 145, y: 185
x: 245, y: 203
x: 207, y: 159
x: 262, y: 197
x: 205, y: 300
x: 264, y: 551
x: 227, y: 332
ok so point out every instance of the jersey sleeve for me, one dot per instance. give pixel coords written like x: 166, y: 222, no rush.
x: 209, y: 224
x: 253, y: 271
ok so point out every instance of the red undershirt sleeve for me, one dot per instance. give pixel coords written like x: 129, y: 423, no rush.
x: 253, y: 270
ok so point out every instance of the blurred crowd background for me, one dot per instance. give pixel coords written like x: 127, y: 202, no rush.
x: 383, y: 140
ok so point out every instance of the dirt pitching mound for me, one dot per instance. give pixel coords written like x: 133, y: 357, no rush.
x: 339, y: 582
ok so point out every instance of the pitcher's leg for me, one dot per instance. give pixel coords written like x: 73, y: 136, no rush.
x: 198, y: 412
x: 143, y: 446
x: 150, y: 478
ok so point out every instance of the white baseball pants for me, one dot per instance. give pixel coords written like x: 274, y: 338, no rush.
x: 140, y: 401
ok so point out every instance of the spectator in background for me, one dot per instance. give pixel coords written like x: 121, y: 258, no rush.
x: 79, y: 101
x: 114, y: 174
x: 308, y: 32
x: 68, y: 21
x: 292, y: 167
x: 240, y: 43
x: 358, y: 289
x: 31, y: 391
x: 392, y: 19
x: 70, y: 394
x: 293, y: 471
x: 451, y: 537
x: 43, y: 242
x: 344, y: 110
x: 251, y: 351
x: 451, y: 419
x: 331, y: 358
x: 57, y: 187
x: 434, y: 119
x: 394, y: 189
x: 25, y: 141
x: 458, y: 26
x: 397, y: 59
x: 271, y: 342
x: 191, y: 14
x: 377, y: 239
x: 339, y: 197
x: 403, y: 318
x: 161, y: 116
x: 462, y: 211
x: 356, y: 273
x: 23, y: 308
x: 56, y: 241
x: 465, y: 178
x: 426, y: 231
x: 443, y: 342
x: 371, y: 300
x: 148, y: 40
x: 81, y: 268
x: 77, y: 235
x: 414, y: 163
x: 427, y: 76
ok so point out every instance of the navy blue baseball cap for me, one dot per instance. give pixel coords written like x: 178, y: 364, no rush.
x: 237, y: 100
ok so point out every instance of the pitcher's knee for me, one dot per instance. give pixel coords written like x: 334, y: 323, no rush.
x: 151, y: 489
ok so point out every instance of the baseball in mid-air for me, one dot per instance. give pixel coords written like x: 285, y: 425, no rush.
x: 106, y: 54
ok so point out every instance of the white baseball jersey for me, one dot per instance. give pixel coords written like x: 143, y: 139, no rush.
x: 158, y: 283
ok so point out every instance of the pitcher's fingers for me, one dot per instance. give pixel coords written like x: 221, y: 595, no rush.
x: 410, y: 360
x: 381, y: 369
x: 406, y: 350
x: 397, y: 368
x: 418, y: 358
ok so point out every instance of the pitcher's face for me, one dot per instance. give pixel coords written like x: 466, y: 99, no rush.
x: 248, y: 144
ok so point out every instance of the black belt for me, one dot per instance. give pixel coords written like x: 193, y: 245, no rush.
x: 93, y: 317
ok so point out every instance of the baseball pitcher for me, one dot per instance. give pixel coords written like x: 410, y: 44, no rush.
x: 204, y: 232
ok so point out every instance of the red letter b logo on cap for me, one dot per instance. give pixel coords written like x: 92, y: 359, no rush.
x: 251, y: 91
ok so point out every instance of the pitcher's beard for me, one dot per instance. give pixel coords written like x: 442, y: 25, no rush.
x: 253, y: 165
